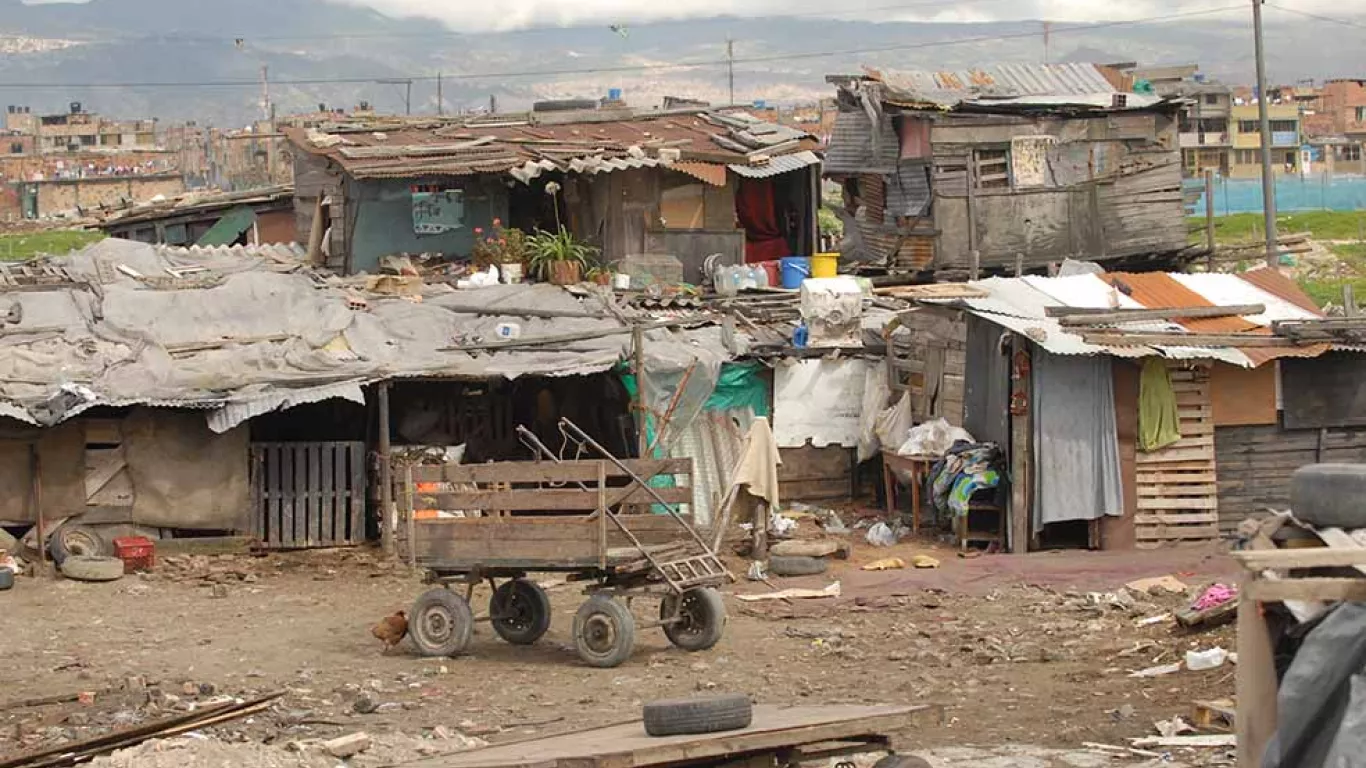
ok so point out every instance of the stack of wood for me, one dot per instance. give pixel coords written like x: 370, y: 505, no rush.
x: 1342, y: 330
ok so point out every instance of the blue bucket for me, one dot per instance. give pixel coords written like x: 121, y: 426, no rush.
x: 795, y: 270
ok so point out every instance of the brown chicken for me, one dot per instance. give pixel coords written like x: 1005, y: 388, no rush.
x: 391, y: 630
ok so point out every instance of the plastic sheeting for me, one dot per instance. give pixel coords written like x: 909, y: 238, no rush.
x: 1322, y: 698
x: 820, y: 401
x: 1074, y: 428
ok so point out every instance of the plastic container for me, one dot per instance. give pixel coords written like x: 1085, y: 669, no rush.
x: 138, y: 553
x: 825, y: 265
x: 774, y: 270
x: 795, y: 270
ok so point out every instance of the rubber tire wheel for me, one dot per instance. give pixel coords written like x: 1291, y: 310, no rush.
x: 6, y: 579
x: 82, y: 568
x: 1330, y: 495
x: 703, y: 615
x: 708, y: 714
x: 796, y: 565
x: 595, y: 617
x: 71, y: 540
x: 530, y: 606
x: 902, y: 761
x: 440, y: 623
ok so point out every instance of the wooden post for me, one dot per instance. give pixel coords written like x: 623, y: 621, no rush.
x: 41, y: 524
x: 1255, y: 680
x: 1209, y: 217
x: 760, y: 530
x: 388, y: 517
x: 974, y: 256
x: 638, y: 354
x: 1349, y: 300
x: 1019, y: 264
x: 1021, y: 452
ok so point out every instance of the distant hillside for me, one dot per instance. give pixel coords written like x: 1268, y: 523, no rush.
x: 132, y: 42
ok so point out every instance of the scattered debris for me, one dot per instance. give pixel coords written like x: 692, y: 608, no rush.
x: 1213, y: 658
x: 1158, y: 585
x: 886, y: 564
x: 346, y: 746
x: 924, y: 561
x: 1208, y: 740
x: 811, y: 548
x: 1173, y: 727
x: 1158, y: 671
x: 831, y: 590
x: 1151, y: 620
x: 1217, y: 714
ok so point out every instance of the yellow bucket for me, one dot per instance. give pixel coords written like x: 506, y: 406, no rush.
x: 825, y: 265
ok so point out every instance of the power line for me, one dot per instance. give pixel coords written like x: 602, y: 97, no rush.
x: 637, y: 67
x: 1308, y: 15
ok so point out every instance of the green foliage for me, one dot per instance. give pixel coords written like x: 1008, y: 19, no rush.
x: 21, y: 246
x: 829, y: 222
x: 1323, y: 225
x: 546, y: 248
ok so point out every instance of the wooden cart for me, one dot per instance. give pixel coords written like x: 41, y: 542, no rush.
x: 600, y: 520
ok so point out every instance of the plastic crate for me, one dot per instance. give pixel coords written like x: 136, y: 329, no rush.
x: 138, y: 553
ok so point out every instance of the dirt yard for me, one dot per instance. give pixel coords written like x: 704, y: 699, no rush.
x: 1017, y: 651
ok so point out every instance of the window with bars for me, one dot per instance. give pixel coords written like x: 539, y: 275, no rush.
x: 991, y: 167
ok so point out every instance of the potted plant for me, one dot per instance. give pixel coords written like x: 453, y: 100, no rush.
x: 558, y: 257
x: 600, y: 275
x: 503, y: 247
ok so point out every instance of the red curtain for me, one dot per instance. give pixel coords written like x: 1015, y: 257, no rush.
x: 758, y: 214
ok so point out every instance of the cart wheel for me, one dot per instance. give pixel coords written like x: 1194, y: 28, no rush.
x: 440, y: 623
x: 701, y: 618
x: 604, y: 632
x: 520, y: 611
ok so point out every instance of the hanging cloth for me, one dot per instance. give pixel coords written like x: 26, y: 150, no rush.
x: 1158, y: 426
x: 757, y: 209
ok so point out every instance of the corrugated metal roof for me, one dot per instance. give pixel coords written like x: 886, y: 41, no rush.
x: 592, y: 141
x: 852, y: 143
x: 234, y: 413
x: 777, y: 166
x: 1040, y: 84
x: 1277, y: 284
x: 1021, y: 304
x: 711, y: 173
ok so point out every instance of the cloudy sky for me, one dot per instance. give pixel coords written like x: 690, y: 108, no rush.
x: 509, y: 14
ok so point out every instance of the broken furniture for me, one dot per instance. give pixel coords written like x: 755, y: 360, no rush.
x: 777, y: 736
x: 918, y: 468
x: 590, y: 519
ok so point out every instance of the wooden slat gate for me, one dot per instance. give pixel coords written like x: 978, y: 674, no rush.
x: 308, y: 494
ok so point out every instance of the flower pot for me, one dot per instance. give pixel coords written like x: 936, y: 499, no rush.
x: 603, y: 278
x: 512, y: 273
x: 565, y: 273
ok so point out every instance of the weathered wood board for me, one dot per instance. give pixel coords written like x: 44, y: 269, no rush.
x: 1178, y: 499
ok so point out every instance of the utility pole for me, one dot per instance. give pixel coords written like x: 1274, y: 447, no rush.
x: 440, y: 104
x: 1273, y: 258
x: 408, y: 98
x: 1047, y: 29
x: 730, y: 65
x: 265, y: 92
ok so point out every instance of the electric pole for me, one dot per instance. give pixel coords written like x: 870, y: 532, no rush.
x: 1273, y: 259
x: 265, y: 92
x: 440, y: 104
x: 730, y: 65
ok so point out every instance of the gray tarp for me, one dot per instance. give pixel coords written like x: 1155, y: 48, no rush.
x: 1322, y: 698
x: 261, y: 333
x: 1076, y: 442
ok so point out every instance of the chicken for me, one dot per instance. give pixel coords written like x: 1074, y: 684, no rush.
x: 391, y: 630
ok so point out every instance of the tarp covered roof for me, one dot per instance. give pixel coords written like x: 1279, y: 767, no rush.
x: 588, y: 141
x: 1021, y: 304
x: 251, y: 333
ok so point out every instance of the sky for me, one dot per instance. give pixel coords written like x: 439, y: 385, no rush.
x: 511, y: 14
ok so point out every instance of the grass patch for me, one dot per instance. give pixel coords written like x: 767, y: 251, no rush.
x: 21, y: 246
x: 1323, y: 225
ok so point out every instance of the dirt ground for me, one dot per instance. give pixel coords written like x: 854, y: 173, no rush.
x: 1030, y: 650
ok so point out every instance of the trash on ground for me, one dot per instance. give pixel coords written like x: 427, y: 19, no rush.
x: 1158, y: 585
x: 881, y: 535
x: 886, y: 564
x: 1151, y: 620
x: 796, y: 593
x: 1158, y: 671
x: 924, y: 561
x: 1213, y: 658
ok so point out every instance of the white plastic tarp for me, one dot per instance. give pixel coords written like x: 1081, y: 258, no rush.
x: 820, y: 401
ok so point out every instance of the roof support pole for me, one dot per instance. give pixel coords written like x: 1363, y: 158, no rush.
x: 388, y: 516
x: 1268, y: 181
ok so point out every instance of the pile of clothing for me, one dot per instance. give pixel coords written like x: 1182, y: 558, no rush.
x: 966, y: 469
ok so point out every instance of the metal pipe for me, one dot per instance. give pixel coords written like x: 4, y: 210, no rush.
x: 1268, y: 181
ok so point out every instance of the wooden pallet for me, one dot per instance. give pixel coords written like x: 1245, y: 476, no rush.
x: 1178, y: 498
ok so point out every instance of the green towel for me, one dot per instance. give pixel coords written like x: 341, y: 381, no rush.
x: 1158, y: 426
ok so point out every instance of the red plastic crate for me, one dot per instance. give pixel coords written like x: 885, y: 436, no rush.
x: 138, y: 553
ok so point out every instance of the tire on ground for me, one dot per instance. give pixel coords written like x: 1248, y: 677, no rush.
x: 440, y: 623
x: 902, y: 761
x: 72, y: 539
x: 708, y: 714
x: 1330, y: 495
x: 83, y: 568
x: 703, y: 615
x: 796, y: 565
x: 523, y: 609
x: 604, y: 632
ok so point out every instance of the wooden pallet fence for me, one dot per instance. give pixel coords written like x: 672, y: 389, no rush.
x: 1178, y: 491
x: 308, y: 495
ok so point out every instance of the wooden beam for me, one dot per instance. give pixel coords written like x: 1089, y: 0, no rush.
x: 1164, y: 339
x: 1284, y: 559
x: 1069, y: 318
x: 388, y: 520
x: 1265, y: 590
x: 1021, y: 458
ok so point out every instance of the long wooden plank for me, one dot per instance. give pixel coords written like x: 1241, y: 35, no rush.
x: 549, y: 499
x: 356, y: 491
x: 1175, y: 518
x: 1179, y: 455
x: 545, y: 471
x: 1176, y: 477
x: 286, y: 503
x: 331, y: 530
x: 1174, y: 532
x: 300, y: 527
x: 1205, y: 502
x: 258, y: 502
x: 626, y: 744
x: 318, y: 532
x: 1176, y: 491
x: 1267, y: 590
x: 1282, y: 559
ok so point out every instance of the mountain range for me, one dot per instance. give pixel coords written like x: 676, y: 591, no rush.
x: 202, y: 59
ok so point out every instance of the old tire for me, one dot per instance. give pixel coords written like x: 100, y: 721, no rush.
x: 796, y: 565
x: 604, y: 632
x: 1330, y: 495
x: 6, y: 579
x: 77, y: 540
x: 902, y: 761
x: 702, y: 615
x: 83, y: 568
x: 440, y: 623
x: 520, y: 611
x: 708, y: 714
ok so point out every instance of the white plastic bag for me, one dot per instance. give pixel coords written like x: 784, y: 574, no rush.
x: 1201, y: 660
x: 876, y: 393
x: 881, y: 535
x: 933, y: 438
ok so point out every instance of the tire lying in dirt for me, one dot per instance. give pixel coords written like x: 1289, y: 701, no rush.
x: 796, y: 565
x: 1330, y: 495
x: 6, y: 579
x: 901, y: 761
x: 707, y: 714
x: 77, y: 540
x: 82, y: 568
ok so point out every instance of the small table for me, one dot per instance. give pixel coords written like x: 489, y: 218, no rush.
x: 918, y: 467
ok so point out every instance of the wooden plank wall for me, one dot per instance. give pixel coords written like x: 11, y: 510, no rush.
x: 1178, y: 498
x: 308, y: 494
x: 1256, y: 462
x: 935, y: 349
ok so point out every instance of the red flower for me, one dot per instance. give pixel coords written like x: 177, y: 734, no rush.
x: 478, y: 230
x: 497, y: 222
